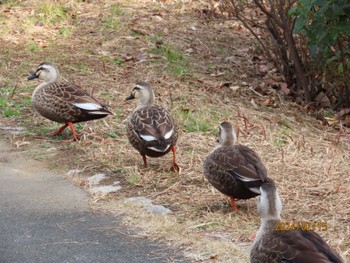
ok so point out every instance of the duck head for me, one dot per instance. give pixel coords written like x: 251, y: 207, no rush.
x: 143, y: 92
x: 46, y: 71
x: 227, y: 134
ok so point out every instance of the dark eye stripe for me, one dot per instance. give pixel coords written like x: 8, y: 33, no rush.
x: 41, y: 69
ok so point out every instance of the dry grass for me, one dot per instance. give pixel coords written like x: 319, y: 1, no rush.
x: 111, y: 45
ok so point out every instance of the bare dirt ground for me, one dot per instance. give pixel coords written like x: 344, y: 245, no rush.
x: 204, y: 71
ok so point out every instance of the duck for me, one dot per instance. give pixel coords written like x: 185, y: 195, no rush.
x: 63, y: 102
x: 150, y: 128
x: 233, y: 169
x: 285, y: 246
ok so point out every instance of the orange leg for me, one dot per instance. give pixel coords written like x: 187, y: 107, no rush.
x: 233, y: 203
x: 175, y: 166
x: 173, y: 149
x: 76, y: 137
x: 144, y: 160
x: 60, y: 130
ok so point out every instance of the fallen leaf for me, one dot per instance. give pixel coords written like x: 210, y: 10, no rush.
x: 331, y: 121
x: 323, y: 99
x: 217, y: 74
x: 252, y: 101
x: 343, y: 113
x: 263, y: 69
x: 284, y: 88
x: 234, y: 88
x: 266, y: 102
x: 20, y: 144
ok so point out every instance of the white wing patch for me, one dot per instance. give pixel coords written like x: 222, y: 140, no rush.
x: 148, y: 138
x: 158, y: 150
x: 255, y: 190
x: 88, y: 106
x: 98, y: 112
x: 168, y: 134
x: 245, y: 179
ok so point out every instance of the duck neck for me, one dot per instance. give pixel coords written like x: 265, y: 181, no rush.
x: 51, y: 78
x: 227, y: 137
x: 267, y: 226
x: 228, y: 143
x: 147, y: 100
x: 38, y: 88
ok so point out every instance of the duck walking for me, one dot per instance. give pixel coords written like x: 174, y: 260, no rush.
x: 235, y: 170
x: 150, y: 128
x: 63, y: 102
x: 294, y: 246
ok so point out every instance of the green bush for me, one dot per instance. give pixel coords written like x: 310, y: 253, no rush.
x: 310, y: 43
x: 326, y: 26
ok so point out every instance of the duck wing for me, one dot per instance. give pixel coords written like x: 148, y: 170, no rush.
x: 244, y: 165
x: 301, y: 246
x: 70, y: 99
x: 155, y: 127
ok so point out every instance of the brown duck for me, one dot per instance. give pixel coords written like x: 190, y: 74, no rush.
x: 286, y: 246
x: 63, y: 102
x: 150, y: 128
x: 234, y: 170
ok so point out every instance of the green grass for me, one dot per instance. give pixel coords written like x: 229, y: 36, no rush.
x: 118, y: 60
x: 2, y: 102
x: 83, y: 67
x: 113, y: 20
x: 280, y: 137
x: 10, y: 110
x: 118, y: 114
x: 65, y: 31
x: 10, y: 3
x: 176, y: 64
x: 194, y: 121
x: 51, y: 14
x: 134, y: 178
x: 9, y: 107
x: 113, y: 135
x: 33, y: 47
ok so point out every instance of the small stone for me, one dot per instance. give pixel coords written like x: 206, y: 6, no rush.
x: 96, y: 179
x: 52, y: 149
x: 105, y: 189
x: 149, y: 206
x: 73, y: 172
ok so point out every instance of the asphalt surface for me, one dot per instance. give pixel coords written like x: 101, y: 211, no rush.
x: 45, y: 218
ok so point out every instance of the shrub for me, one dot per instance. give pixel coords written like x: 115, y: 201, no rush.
x: 310, y: 42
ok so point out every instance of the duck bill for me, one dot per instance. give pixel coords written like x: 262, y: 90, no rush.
x: 131, y: 97
x: 33, y: 76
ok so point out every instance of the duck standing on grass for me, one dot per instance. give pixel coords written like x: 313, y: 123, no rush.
x: 235, y: 170
x: 63, y: 102
x: 150, y: 128
x: 286, y: 246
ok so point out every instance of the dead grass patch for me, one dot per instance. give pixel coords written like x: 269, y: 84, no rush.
x: 309, y: 161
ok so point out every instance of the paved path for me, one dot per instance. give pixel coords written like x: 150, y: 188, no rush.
x: 44, y: 218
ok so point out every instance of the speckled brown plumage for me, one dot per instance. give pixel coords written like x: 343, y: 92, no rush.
x: 63, y: 102
x: 292, y: 246
x: 150, y: 128
x: 55, y: 102
x: 152, y: 121
x: 234, y: 170
x: 286, y: 246
x: 224, y: 166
